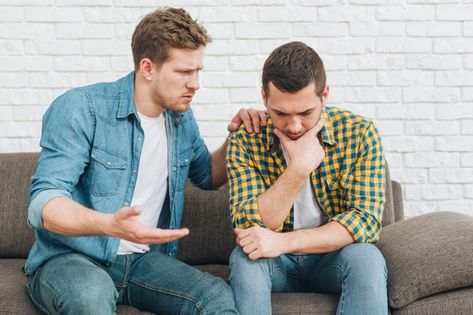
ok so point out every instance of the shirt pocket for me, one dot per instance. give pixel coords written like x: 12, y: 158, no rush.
x: 183, y: 163
x: 105, y: 172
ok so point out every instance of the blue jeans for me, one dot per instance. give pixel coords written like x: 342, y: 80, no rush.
x: 75, y: 284
x: 357, y: 272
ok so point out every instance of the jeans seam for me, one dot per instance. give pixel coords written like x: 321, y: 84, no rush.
x: 36, y: 303
x: 173, y: 293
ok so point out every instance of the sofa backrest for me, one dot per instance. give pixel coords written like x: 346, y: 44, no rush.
x: 206, y: 214
x: 16, y: 170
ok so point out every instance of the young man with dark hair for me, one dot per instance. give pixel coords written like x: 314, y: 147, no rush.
x: 107, y: 198
x: 306, y: 195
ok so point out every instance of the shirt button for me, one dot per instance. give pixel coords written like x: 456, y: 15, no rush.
x: 108, y: 163
x: 125, y: 204
x: 139, y: 139
x: 173, y: 168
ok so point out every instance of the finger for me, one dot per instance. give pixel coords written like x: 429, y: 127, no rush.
x: 255, y: 119
x: 245, y: 118
x: 128, y: 212
x: 282, y: 137
x: 241, y: 233
x: 245, y: 241
x: 255, y: 255
x: 248, y: 249
x: 234, y: 124
x: 159, y: 236
x: 262, y: 117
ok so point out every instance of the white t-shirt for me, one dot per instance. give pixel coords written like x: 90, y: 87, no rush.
x: 307, y: 213
x: 151, y: 183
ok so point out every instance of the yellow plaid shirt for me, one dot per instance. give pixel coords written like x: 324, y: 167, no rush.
x: 349, y: 184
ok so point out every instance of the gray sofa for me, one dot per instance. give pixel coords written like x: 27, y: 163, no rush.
x: 429, y: 258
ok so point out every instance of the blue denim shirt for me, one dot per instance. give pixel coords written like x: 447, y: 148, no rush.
x: 91, y: 143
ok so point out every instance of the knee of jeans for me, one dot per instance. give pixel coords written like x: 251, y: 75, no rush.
x: 240, y: 260
x: 91, y: 301
x: 366, y: 263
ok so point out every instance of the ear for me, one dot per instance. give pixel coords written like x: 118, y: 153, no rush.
x: 325, y: 94
x: 146, y: 69
x: 263, y: 96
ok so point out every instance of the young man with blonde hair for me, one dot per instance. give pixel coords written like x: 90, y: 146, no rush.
x: 306, y: 195
x: 106, y: 201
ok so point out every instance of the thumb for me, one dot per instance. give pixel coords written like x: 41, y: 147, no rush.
x: 130, y: 211
x: 233, y: 126
x: 281, y: 136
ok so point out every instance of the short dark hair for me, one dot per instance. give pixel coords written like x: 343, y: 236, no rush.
x: 293, y: 66
x: 165, y: 28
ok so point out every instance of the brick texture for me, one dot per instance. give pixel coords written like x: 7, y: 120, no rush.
x: 405, y: 63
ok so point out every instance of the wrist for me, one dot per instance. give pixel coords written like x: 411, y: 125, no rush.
x: 299, y: 170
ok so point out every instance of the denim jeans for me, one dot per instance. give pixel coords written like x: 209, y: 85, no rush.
x: 75, y: 284
x: 357, y: 272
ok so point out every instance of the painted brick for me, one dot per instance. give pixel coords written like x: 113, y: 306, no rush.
x: 405, y: 78
x: 432, y: 128
x: 455, y: 12
x: 467, y: 127
x: 431, y: 159
x: 405, y: 112
x: 430, y: 95
x: 407, y: 64
x: 454, y: 144
x: 433, y: 29
x: 451, y: 175
x: 434, y: 62
x: 454, y: 112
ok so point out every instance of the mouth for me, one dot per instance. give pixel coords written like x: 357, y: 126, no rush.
x: 188, y: 97
x: 294, y: 137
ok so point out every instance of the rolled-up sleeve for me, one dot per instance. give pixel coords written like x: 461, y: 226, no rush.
x: 365, y: 194
x: 245, y: 184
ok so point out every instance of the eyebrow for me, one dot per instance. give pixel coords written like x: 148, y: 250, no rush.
x: 301, y: 113
x: 185, y: 68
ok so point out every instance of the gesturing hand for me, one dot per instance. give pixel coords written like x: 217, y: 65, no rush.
x: 258, y: 242
x: 125, y: 225
x: 253, y: 119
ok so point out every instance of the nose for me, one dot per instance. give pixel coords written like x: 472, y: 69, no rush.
x: 294, y: 125
x: 193, y: 83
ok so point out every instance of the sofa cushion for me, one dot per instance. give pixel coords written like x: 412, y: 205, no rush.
x: 427, y: 254
x: 454, y: 302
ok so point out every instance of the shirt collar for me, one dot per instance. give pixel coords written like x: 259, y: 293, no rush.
x: 126, y: 105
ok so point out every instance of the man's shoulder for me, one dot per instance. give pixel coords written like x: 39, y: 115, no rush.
x: 340, y: 116
x: 345, y: 122
x: 254, y: 138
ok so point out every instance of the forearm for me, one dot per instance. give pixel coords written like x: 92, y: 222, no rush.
x: 64, y: 216
x: 326, y: 238
x: 219, y: 174
x: 276, y: 202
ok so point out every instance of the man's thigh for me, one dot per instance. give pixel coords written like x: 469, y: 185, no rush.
x: 162, y: 284
x: 359, y: 260
x: 72, y: 284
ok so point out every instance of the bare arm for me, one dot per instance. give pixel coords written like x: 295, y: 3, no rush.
x: 67, y: 217
x: 304, y: 154
x: 259, y: 242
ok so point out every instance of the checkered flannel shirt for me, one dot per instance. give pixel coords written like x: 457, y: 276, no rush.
x: 349, y: 184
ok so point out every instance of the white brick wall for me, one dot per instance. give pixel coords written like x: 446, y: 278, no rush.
x: 408, y: 64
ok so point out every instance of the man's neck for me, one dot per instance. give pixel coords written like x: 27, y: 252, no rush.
x: 143, y: 100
